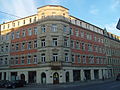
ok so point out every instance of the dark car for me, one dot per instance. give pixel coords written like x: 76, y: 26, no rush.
x: 118, y: 77
x: 16, y: 83
x: 3, y: 82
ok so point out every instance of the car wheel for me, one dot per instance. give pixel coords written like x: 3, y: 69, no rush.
x: 13, y: 86
x: 5, y: 86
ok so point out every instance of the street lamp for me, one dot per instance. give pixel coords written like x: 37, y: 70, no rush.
x: 118, y: 24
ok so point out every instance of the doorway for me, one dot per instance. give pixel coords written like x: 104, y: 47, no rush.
x: 55, y: 78
x: 43, y: 78
x: 22, y: 76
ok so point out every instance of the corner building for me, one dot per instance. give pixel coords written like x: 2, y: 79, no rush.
x: 53, y: 47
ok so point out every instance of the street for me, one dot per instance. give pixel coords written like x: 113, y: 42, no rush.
x: 115, y: 85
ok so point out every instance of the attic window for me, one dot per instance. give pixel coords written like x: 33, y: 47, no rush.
x: 53, y: 13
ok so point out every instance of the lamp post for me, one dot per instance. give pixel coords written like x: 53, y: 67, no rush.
x: 118, y: 24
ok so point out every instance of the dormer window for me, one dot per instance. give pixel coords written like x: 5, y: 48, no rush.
x: 53, y: 13
x: 8, y: 25
x: 43, y: 15
x: 34, y: 19
x: 30, y: 20
x: 23, y: 21
x: 13, y: 24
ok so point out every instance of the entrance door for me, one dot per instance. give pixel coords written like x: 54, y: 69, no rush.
x: 67, y: 76
x: 55, y: 78
x: 22, y: 76
x: 96, y: 74
x: 43, y: 78
x: 32, y: 76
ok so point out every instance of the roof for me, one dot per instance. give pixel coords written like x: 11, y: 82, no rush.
x: 53, y: 6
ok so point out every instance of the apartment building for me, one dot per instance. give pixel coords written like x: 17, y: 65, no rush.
x: 55, y: 47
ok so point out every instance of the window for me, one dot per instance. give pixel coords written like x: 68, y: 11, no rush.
x: 64, y: 28
x: 29, y: 59
x: 91, y: 60
x: 71, y: 31
x: 23, y: 21
x: 23, y: 46
x: 13, y: 24
x: 77, y: 32
x: 73, y: 58
x: 12, y: 61
x: 83, y: 46
x: 65, y: 42
x: 55, y: 57
x: 29, y: 31
x: 54, y: 28
x: 35, y: 59
x: 23, y: 33
x: 100, y: 50
x: 7, y: 36
x: 43, y: 29
x: 2, y: 48
x: 79, y: 58
x: 12, y: 47
x: 34, y: 19
x: 95, y: 49
x: 35, y: 44
x: 16, y: 60
x: 35, y: 30
x: 54, y: 41
x: 17, y: 34
x: 95, y: 38
x: 6, y: 61
x: 12, y: 35
x: 18, y: 23
x: 43, y: 43
x: 89, y: 36
x: 6, y: 48
x: 72, y: 44
x: 29, y: 45
x: 77, y: 45
x: 8, y: 25
x: 66, y: 57
x: 53, y: 13
x: 97, y: 60
x: 1, y: 61
x: 30, y: 20
x: 84, y: 59
x: 17, y: 47
x: 82, y: 34
x: 43, y: 57
x: 22, y: 60
x: 43, y: 15
x: 89, y: 47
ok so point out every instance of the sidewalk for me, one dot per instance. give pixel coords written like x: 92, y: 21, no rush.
x: 73, y: 84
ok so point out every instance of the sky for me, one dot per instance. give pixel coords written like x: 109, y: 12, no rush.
x: 102, y: 13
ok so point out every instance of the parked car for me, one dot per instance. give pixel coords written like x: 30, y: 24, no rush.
x: 118, y: 78
x: 16, y: 83
x: 3, y: 82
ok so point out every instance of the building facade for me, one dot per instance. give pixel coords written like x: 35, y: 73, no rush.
x: 55, y: 47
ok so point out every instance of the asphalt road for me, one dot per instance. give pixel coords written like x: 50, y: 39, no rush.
x: 115, y: 85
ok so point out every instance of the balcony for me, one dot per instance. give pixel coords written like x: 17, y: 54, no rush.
x: 58, y: 18
x: 56, y: 65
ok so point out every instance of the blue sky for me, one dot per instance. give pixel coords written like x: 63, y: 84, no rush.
x: 103, y: 13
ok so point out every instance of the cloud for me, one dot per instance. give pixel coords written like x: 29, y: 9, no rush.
x: 94, y: 11
x: 112, y: 28
x: 115, y: 4
x: 54, y: 2
x: 19, y: 8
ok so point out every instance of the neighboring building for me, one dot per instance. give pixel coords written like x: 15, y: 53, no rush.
x: 112, y: 47
x: 54, y: 47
